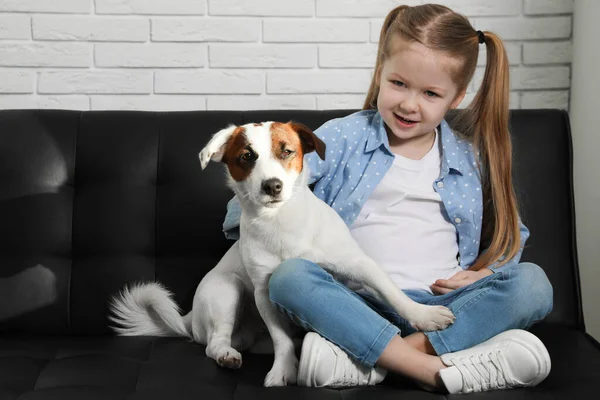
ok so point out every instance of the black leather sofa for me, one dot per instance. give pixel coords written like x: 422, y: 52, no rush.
x: 92, y: 200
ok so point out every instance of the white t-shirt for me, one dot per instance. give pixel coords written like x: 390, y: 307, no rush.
x: 404, y: 227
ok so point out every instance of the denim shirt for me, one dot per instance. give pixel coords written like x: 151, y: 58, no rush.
x: 358, y: 156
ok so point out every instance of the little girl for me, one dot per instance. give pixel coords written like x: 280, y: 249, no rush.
x: 434, y: 206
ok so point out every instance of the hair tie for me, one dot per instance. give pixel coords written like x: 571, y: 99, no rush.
x: 480, y: 37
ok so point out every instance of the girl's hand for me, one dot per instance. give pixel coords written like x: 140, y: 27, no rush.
x: 458, y: 280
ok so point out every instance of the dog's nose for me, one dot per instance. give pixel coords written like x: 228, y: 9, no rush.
x: 272, y: 186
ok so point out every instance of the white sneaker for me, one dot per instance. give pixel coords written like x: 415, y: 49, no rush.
x: 322, y: 363
x: 515, y: 358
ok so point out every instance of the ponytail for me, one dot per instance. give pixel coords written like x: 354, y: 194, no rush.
x: 486, y: 122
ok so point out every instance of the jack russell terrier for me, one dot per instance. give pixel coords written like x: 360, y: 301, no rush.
x: 281, y: 219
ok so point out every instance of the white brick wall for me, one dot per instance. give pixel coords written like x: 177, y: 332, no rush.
x: 246, y: 54
x: 89, y: 28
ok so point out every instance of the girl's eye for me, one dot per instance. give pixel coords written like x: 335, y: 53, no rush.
x: 429, y: 93
x: 398, y: 83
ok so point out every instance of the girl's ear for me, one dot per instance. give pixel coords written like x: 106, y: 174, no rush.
x: 458, y: 99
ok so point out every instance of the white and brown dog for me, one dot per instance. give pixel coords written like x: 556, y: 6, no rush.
x: 281, y: 219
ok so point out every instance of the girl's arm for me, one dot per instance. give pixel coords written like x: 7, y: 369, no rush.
x: 467, y: 277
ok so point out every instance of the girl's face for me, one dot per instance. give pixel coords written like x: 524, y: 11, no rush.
x: 415, y: 93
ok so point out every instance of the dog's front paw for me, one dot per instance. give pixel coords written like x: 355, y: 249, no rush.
x: 282, y: 374
x: 431, y: 318
x: 225, y: 356
x: 229, y: 357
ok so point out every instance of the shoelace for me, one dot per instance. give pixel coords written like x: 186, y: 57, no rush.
x: 482, y: 372
x: 350, y: 377
x: 351, y: 373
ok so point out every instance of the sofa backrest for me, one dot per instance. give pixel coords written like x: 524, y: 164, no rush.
x: 90, y: 201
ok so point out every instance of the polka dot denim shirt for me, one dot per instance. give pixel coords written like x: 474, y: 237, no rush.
x: 358, y: 156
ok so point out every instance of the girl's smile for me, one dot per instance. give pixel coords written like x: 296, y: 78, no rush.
x: 405, y: 122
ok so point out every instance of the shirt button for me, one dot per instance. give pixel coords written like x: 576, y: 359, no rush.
x: 440, y: 184
x: 457, y: 220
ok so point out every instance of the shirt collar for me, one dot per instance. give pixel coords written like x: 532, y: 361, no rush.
x: 377, y: 135
x: 453, y: 150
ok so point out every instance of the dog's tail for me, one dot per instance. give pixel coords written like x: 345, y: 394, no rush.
x: 148, y: 309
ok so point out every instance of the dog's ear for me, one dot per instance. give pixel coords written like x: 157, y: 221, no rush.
x: 215, y: 148
x: 310, y: 141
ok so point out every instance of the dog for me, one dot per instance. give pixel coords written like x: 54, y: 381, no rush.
x: 281, y: 219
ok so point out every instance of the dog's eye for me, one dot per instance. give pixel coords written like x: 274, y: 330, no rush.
x: 247, y: 156
x: 286, y: 153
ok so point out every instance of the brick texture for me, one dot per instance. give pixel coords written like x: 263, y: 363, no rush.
x: 238, y: 54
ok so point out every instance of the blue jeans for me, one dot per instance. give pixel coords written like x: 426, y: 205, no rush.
x: 512, y: 298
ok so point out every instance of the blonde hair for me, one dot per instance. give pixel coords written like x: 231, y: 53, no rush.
x: 484, y: 121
